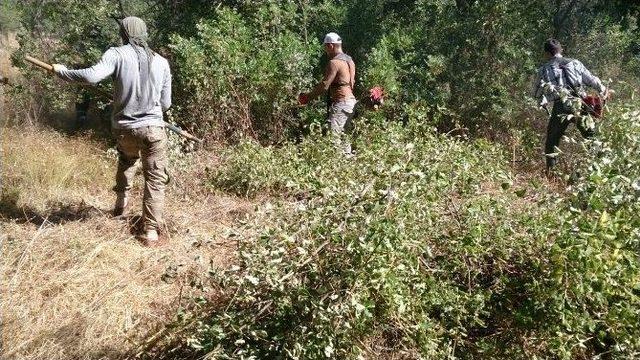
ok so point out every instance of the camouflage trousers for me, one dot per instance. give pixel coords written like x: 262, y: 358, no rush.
x: 341, y: 123
x: 149, y: 144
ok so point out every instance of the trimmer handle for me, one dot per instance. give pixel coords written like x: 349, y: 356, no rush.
x: 39, y: 63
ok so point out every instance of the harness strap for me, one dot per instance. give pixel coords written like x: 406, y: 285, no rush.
x: 346, y: 58
x: 563, y: 68
x: 565, y: 78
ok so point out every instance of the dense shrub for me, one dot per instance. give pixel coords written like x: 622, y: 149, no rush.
x: 593, y: 286
x: 415, y: 247
x: 466, y: 65
x: 70, y: 32
x: 238, y: 80
x: 427, y: 247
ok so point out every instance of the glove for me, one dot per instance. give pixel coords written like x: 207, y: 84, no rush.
x: 57, y: 68
x: 543, y: 102
x: 303, y: 99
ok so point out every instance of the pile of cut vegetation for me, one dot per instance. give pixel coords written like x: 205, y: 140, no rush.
x: 426, y: 246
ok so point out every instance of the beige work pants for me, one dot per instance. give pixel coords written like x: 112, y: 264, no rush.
x: 340, y: 120
x: 148, y: 143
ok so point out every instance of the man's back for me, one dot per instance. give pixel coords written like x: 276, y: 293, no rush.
x: 134, y: 105
x: 342, y: 86
x: 564, y: 73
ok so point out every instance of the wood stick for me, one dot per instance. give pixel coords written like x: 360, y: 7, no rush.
x: 49, y: 67
x: 38, y: 63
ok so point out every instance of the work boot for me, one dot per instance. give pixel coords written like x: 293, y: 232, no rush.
x: 151, y: 238
x: 122, y: 200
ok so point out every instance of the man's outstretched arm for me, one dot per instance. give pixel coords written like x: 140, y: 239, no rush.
x: 93, y: 75
x: 591, y: 80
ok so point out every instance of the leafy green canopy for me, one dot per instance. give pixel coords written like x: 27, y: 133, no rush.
x: 463, y: 64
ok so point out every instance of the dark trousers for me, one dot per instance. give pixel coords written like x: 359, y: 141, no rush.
x: 558, y: 124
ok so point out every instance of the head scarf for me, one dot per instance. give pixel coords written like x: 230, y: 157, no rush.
x: 134, y: 32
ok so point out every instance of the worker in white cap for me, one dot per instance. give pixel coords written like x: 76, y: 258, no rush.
x: 339, y: 80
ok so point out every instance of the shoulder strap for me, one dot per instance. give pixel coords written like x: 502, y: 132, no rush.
x: 563, y: 68
x: 346, y: 58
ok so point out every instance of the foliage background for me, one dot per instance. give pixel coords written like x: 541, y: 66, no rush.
x: 429, y: 246
x: 239, y: 65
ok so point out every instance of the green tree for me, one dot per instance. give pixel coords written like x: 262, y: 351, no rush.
x: 9, y: 16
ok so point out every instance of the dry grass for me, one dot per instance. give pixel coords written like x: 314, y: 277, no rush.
x: 76, y: 284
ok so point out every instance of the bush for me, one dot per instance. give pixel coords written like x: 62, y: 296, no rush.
x: 427, y: 247
x: 238, y: 81
x: 414, y: 247
x: 593, y: 286
x: 70, y: 32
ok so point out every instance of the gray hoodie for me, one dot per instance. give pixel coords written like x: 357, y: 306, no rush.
x: 133, y: 106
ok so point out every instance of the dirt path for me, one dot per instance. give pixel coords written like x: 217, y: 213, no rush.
x: 76, y: 284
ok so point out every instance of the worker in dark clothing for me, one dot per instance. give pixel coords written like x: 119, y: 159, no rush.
x: 560, y: 84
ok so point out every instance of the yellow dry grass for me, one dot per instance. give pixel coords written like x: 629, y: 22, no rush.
x: 76, y: 284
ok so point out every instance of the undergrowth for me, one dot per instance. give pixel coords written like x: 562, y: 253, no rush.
x: 41, y: 167
x: 425, y: 246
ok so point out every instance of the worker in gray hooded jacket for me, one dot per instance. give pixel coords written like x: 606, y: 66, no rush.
x: 142, y: 92
x: 560, y: 84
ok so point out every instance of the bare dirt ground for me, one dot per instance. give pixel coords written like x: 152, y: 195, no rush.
x: 76, y: 283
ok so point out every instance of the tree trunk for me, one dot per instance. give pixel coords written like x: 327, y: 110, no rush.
x: 561, y: 16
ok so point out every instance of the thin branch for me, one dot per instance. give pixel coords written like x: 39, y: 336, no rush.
x: 121, y: 7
